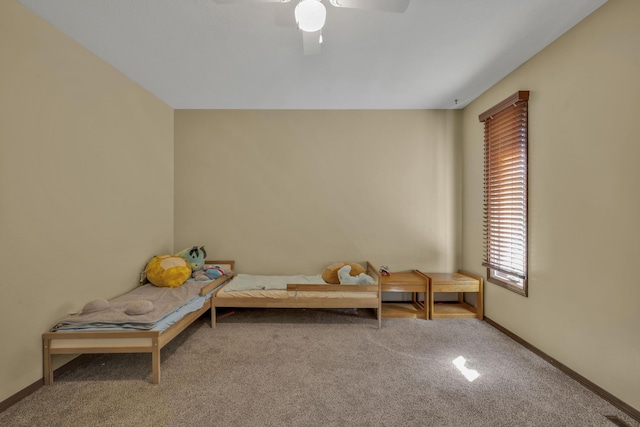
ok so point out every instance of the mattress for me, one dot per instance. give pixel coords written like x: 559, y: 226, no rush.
x: 261, y: 286
x: 184, y: 300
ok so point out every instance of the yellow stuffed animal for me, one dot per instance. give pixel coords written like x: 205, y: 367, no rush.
x: 168, y: 271
x: 330, y: 274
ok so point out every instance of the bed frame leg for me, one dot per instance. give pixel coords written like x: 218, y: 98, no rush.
x: 47, y: 367
x: 213, y: 316
x: 155, y: 362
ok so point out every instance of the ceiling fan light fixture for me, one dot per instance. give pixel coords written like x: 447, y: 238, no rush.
x: 310, y: 15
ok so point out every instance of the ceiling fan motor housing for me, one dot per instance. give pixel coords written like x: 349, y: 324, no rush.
x: 310, y: 15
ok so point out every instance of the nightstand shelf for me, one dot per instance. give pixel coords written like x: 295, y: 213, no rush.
x: 414, y: 282
x: 460, y: 283
x: 456, y: 309
x: 402, y: 310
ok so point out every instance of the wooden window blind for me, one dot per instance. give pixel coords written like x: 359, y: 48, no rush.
x: 505, y: 192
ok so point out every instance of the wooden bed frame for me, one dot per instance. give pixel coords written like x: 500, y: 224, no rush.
x: 310, y: 302
x: 129, y: 341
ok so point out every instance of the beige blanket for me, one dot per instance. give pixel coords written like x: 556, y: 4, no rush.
x: 163, y: 301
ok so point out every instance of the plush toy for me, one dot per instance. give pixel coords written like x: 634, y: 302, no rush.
x: 174, y: 270
x: 384, y: 271
x: 168, y: 271
x: 195, y: 256
x: 330, y: 274
x: 208, y: 272
x: 344, y: 274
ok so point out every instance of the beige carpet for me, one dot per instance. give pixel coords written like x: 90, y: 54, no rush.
x: 320, y: 368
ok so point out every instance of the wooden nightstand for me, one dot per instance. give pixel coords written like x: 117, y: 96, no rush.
x: 459, y: 282
x: 410, y: 281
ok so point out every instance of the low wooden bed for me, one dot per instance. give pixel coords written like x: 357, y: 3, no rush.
x: 123, y: 341
x: 306, y: 296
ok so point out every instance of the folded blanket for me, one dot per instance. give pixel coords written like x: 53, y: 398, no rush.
x: 161, y: 301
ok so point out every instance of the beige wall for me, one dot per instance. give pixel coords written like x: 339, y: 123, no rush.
x: 86, y: 185
x: 293, y: 191
x: 584, y: 293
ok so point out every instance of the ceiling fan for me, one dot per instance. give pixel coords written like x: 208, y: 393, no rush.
x: 310, y: 15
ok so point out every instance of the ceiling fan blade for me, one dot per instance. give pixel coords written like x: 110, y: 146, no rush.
x: 312, y: 42
x: 250, y: 1
x: 398, y: 6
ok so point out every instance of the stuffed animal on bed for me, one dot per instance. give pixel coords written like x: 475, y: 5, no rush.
x: 344, y: 274
x: 330, y: 274
x: 208, y: 272
x: 168, y: 271
x: 195, y: 256
x: 173, y: 270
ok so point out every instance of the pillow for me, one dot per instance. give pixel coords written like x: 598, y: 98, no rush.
x: 330, y: 274
x: 168, y: 271
x: 139, y: 307
x: 95, y: 305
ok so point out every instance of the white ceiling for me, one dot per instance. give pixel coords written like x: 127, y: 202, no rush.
x: 201, y: 54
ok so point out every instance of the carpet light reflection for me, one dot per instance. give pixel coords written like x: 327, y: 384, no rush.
x: 470, y: 374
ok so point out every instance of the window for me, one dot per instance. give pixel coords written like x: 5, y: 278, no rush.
x: 505, y: 192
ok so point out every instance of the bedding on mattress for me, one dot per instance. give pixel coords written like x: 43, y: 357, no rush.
x: 248, y: 282
x: 169, y: 306
x: 257, y: 286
